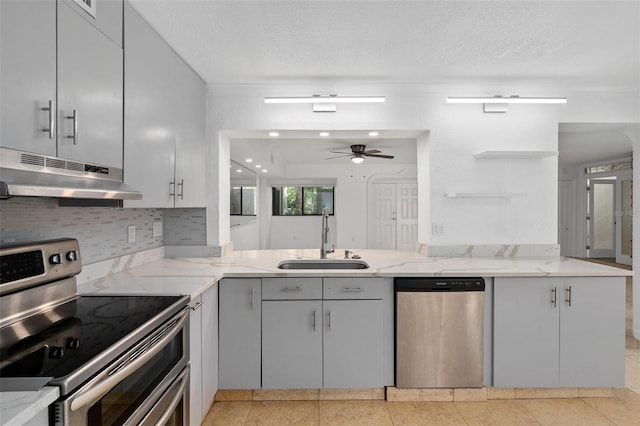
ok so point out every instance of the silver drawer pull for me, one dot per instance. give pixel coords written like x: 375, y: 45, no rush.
x: 52, y: 121
x: 296, y: 288
x: 352, y: 289
x: 74, y: 135
x: 197, y: 306
x: 314, y: 320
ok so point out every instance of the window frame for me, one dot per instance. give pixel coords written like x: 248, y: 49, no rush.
x: 302, y: 188
x: 241, y: 201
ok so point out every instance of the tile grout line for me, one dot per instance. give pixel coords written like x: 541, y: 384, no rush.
x: 464, y: 419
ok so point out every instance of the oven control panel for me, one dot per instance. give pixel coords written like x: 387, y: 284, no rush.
x: 32, y: 264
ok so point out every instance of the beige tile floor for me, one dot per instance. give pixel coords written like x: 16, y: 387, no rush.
x: 622, y: 409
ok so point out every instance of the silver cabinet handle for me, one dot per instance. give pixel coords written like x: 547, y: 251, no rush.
x: 172, y: 190
x: 314, y: 320
x: 352, y: 289
x: 329, y: 320
x: 253, y: 296
x: 52, y: 121
x: 181, y: 186
x: 554, y: 297
x: 569, y: 296
x: 197, y: 306
x: 74, y: 135
x: 296, y: 288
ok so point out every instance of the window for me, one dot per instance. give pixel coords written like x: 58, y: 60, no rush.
x: 302, y: 200
x: 243, y: 200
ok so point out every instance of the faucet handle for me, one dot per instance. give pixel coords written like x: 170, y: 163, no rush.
x: 347, y: 253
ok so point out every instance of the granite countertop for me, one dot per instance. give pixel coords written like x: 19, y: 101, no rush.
x: 17, y: 408
x: 194, y: 275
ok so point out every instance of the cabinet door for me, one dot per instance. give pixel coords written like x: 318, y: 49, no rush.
x: 353, y: 336
x: 190, y: 118
x: 292, y: 344
x: 239, y: 327
x: 592, y: 332
x: 209, y: 347
x: 195, y: 359
x: 107, y: 19
x: 27, y: 75
x: 149, y: 137
x: 89, y: 82
x: 526, y: 333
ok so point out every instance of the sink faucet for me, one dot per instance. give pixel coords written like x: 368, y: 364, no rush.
x: 325, y: 234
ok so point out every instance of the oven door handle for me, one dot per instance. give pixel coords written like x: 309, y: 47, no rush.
x: 179, y: 389
x: 102, y: 385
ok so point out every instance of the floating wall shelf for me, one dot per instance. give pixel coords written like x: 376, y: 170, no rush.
x: 515, y: 155
x: 484, y: 194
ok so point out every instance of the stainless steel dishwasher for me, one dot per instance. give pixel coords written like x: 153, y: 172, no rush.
x: 439, y: 332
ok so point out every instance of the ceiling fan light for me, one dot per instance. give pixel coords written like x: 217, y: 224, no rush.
x: 357, y: 159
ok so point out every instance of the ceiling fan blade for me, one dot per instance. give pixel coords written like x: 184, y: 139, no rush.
x: 342, y: 152
x: 372, y: 151
x: 339, y: 156
x: 379, y: 156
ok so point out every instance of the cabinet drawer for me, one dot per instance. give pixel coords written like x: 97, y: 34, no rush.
x: 355, y: 288
x: 291, y: 288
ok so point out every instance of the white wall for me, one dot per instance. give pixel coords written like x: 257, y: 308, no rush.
x: 456, y: 133
x: 245, y: 236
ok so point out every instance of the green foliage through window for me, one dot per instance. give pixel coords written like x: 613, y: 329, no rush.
x: 302, y: 200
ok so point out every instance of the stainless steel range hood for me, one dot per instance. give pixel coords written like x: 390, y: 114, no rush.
x: 27, y: 174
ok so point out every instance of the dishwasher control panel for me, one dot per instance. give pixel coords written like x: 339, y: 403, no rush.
x: 438, y: 284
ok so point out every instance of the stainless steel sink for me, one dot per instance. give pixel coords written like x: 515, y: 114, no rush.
x: 323, y: 264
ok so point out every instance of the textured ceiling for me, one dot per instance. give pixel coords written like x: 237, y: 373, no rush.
x: 575, y: 44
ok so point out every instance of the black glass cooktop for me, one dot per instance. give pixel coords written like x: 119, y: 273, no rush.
x: 90, y: 326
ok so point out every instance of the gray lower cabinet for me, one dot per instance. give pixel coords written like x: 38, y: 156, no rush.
x: 352, y: 340
x: 239, y: 333
x: 292, y: 344
x: 551, y: 332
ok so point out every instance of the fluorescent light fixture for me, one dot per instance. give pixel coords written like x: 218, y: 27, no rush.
x: 333, y: 99
x: 357, y: 159
x: 505, y: 100
x: 324, y: 134
x: 373, y: 133
x: 274, y: 134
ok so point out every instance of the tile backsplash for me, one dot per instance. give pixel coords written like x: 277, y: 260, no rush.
x: 101, y: 231
x: 185, y: 227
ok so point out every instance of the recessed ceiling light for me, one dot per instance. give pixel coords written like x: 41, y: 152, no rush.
x: 249, y: 160
x: 373, y: 133
x: 324, y: 134
x: 239, y: 170
x: 258, y: 166
x: 264, y: 170
x: 274, y: 134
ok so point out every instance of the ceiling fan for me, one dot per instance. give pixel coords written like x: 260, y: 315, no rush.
x: 359, y: 152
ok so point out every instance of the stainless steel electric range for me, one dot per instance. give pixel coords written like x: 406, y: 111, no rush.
x: 118, y: 360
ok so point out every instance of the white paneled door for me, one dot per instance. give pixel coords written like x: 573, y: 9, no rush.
x: 393, y: 216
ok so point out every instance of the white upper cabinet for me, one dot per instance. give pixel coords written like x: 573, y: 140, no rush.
x: 106, y: 17
x: 28, y: 75
x: 149, y: 136
x: 165, y: 128
x: 189, y: 109
x: 55, y: 62
x: 89, y: 92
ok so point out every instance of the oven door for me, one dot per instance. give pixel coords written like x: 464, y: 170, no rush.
x: 125, y: 392
x: 172, y: 409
